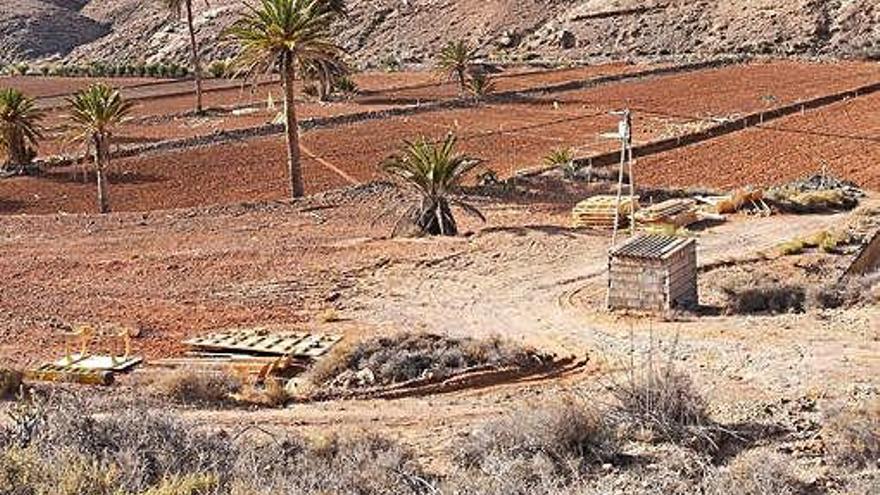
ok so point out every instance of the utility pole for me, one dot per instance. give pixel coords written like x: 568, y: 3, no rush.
x: 624, y: 132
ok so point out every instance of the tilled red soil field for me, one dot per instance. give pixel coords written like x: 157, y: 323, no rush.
x: 842, y: 139
x: 236, y: 172
x: 437, y: 87
x: 728, y: 91
x: 508, y: 137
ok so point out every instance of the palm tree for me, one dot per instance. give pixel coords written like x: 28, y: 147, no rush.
x: 325, y: 74
x: 454, y: 61
x: 94, y: 113
x: 20, y: 129
x: 176, y: 6
x: 289, y: 35
x: 435, y: 172
x: 480, y: 86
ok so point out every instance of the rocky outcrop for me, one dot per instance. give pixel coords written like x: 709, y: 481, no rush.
x: 381, y: 30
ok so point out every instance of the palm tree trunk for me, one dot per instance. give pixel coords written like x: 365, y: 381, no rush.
x: 297, y: 189
x: 197, y: 66
x: 462, y: 83
x: 100, y: 157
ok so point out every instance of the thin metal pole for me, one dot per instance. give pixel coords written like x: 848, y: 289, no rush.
x: 623, y: 157
x: 632, y: 194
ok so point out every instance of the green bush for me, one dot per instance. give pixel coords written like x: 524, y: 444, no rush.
x: 219, y: 69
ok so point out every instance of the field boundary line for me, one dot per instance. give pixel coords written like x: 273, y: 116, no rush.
x: 752, y: 120
x: 328, y: 165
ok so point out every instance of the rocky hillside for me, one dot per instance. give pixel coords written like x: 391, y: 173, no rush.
x: 379, y: 30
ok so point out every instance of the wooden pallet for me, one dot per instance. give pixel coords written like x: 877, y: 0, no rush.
x: 673, y: 212
x: 264, y: 342
x: 600, y: 212
x: 83, y: 368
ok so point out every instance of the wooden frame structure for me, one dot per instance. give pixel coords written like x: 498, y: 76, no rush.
x: 653, y: 273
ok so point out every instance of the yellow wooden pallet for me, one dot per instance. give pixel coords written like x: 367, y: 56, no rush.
x: 601, y: 211
x: 673, y: 212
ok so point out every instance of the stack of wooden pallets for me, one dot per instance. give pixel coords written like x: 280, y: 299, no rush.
x: 257, y: 351
x: 673, y: 212
x: 599, y: 212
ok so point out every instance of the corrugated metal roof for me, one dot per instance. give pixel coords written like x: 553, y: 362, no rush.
x: 651, y: 246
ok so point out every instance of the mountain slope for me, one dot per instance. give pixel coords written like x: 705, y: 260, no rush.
x: 138, y: 30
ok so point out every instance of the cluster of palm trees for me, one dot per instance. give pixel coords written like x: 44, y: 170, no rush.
x: 95, y: 113
x: 286, y: 36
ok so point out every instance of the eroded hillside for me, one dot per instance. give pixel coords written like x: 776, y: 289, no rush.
x: 134, y: 30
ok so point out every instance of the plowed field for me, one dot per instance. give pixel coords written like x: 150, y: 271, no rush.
x: 842, y: 139
x: 507, y: 136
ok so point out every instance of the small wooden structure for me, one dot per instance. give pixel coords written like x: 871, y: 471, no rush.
x: 671, y: 213
x: 598, y: 212
x: 653, y: 273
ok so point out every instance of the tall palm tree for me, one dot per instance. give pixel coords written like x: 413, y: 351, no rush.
x: 435, y: 172
x: 20, y: 129
x: 95, y: 112
x: 176, y: 7
x: 455, y: 59
x: 288, y: 35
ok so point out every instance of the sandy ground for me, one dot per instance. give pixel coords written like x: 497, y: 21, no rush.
x: 524, y: 275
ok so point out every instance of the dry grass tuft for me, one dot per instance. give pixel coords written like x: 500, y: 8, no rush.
x: 663, y: 405
x: 543, y: 450
x: 859, y: 291
x: 749, y: 297
x: 852, y: 436
x: 10, y: 383
x: 566, y: 434
x: 187, y: 386
x: 756, y: 472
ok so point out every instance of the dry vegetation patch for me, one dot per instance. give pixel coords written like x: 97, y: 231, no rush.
x: 405, y: 357
x: 195, y: 387
x: 756, y: 472
x: 852, y: 436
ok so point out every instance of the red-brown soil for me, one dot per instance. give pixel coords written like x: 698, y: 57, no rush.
x: 509, y: 137
x: 37, y: 86
x: 842, y: 139
x: 254, y: 170
x: 727, y: 91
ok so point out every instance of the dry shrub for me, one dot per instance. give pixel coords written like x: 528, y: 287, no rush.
x: 663, y: 405
x: 140, y: 452
x: 356, y: 465
x: 858, y: 291
x: 10, y: 383
x: 749, y: 297
x: 668, y: 470
x: 755, y: 472
x: 187, y: 386
x: 408, y: 356
x: 863, y: 483
x: 197, y: 484
x: 852, y: 436
x: 129, y: 451
x: 547, y: 445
